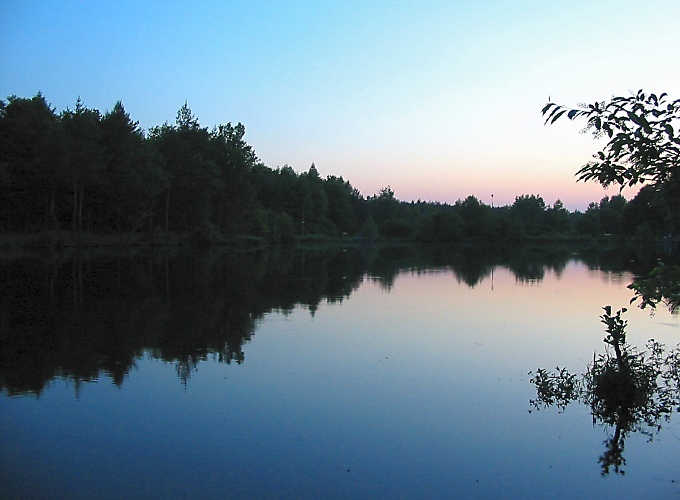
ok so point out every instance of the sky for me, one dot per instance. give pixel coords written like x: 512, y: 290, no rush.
x: 437, y: 99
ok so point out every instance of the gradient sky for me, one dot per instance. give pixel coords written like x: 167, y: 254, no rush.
x: 439, y: 99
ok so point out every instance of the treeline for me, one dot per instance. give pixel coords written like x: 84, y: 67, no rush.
x: 82, y: 171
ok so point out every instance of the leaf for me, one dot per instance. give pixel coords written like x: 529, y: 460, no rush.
x: 555, y: 110
x: 640, y: 121
x: 669, y: 130
x: 557, y: 116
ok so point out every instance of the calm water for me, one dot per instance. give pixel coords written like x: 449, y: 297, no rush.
x: 352, y: 373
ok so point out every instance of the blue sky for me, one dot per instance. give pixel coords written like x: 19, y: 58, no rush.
x: 439, y: 99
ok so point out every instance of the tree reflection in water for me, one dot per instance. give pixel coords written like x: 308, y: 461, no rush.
x: 83, y: 315
x: 628, y: 391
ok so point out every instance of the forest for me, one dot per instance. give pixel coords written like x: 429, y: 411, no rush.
x: 79, y: 174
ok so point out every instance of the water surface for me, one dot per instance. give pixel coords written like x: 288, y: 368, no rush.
x: 350, y: 373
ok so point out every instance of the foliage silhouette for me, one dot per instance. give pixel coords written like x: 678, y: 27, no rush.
x: 643, y: 145
x: 629, y: 392
x: 660, y: 286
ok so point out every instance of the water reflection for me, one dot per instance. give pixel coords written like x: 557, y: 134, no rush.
x: 627, y: 392
x: 418, y: 392
x: 80, y: 317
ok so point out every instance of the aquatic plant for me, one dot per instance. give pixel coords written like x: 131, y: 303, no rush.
x: 629, y: 391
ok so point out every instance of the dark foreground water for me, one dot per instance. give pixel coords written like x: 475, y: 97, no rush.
x: 355, y: 373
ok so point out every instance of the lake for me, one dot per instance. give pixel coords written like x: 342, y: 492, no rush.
x: 359, y: 372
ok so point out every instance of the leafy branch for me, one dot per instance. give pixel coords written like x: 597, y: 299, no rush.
x: 643, y: 145
x: 662, y: 285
